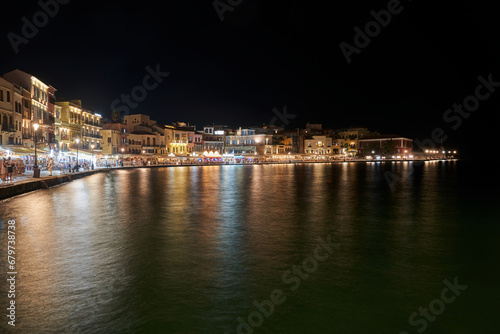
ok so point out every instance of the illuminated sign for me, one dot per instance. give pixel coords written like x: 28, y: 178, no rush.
x: 219, y: 132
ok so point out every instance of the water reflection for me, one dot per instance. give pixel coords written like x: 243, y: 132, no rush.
x: 188, y: 250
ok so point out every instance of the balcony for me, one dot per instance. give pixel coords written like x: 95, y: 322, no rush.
x: 8, y: 128
x: 92, y: 135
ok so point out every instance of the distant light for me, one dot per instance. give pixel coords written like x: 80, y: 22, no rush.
x: 454, y: 152
x: 444, y: 152
x: 426, y: 151
x: 98, y: 115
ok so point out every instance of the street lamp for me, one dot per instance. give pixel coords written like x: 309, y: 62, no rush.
x: 36, y: 170
x: 122, y: 156
x: 77, y: 140
x: 92, y: 147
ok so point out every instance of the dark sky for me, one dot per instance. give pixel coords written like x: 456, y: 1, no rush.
x: 268, y: 54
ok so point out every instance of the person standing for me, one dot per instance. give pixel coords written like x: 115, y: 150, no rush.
x: 10, y: 169
x: 49, y: 166
x: 3, y: 170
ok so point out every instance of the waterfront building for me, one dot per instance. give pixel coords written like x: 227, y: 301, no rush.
x: 91, y: 130
x: 213, y: 138
x: 57, y: 125
x: 39, y: 97
x: 131, y: 121
x: 246, y: 141
x: 10, y: 114
x: 123, y: 141
x: 386, y: 145
x: 318, y: 145
x: 351, y: 136
x: 338, y: 145
x: 71, y: 124
x: 296, y: 140
x: 179, y: 141
x: 144, y: 135
x: 27, y: 127
x: 112, y: 142
x: 199, y: 145
x: 51, y: 100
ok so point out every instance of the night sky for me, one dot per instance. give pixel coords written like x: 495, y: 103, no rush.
x: 268, y: 54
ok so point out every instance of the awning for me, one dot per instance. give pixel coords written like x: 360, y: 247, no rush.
x: 21, y: 150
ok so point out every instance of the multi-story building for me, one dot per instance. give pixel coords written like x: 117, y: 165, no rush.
x: 131, y: 121
x: 112, y: 142
x: 351, y: 137
x: 17, y: 92
x: 179, y: 141
x: 246, y: 141
x: 10, y: 114
x: 91, y: 129
x: 123, y: 142
x: 386, y: 145
x: 338, y: 145
x: 51, y: 100
x: 57, y: 125
x: 198, y: 143
x: 318, y: 145
x: 70, y: 127
x: 39, y: 101
x: 144, y: 136
x: 27, y: 128
x: 213, y: 138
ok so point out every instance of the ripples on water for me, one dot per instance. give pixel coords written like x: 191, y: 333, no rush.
x: 189, y: 249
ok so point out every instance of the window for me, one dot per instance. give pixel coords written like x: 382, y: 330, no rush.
x: 1, y: 95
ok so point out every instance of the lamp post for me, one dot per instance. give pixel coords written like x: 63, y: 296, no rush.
x: 122, y: 156
x: 77, y: 140
x: 92, y: 147
x: 36, y: 170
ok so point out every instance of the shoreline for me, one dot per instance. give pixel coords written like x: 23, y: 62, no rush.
x: 8, y: 191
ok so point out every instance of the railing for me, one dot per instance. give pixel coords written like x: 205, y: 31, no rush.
x: 8, y: 128
x: 91, y: 135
